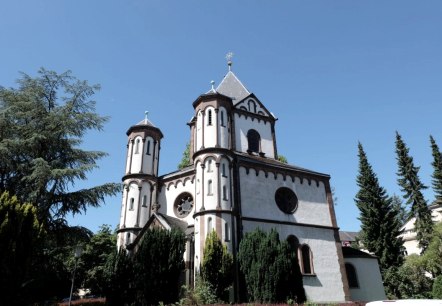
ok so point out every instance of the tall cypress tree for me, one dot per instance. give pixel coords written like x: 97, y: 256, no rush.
x: 437, y: 172
x: 412, y: 187
x: 380, y: 220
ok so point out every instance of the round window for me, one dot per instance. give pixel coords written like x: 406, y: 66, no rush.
x: 286, y: 200
x: 183, y: 205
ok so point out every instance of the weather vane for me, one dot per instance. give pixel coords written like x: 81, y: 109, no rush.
x: 229, y: 59
x: 145, y: 114
x: 213, y: 85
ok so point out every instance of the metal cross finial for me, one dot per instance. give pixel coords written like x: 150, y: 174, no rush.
x: 145, y: 114
x: 213, y: 85
x: 229, y: 59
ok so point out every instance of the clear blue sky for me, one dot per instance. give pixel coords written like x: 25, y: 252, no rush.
x: 333, y: 72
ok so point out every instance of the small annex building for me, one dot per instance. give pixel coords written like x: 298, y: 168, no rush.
x: 234, y: 185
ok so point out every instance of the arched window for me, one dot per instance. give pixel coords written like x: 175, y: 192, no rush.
x: 198, y: 186
x: 209, y: 225
x: 209, y: 187
x: 144, y: 201
x: 223, y: 170
x: 226, y: 232
x: 351, y: 276
x: 148, y: 148
x: 137, y: 146
x: 209, y: 119
x: 254, y: 140
x: 127, y: 238
x: 222, y: 119
x: 131, y: 204
x: 209, y: 166
x: 306, y: 254
x: 225, y: 193
x: 252, y: 106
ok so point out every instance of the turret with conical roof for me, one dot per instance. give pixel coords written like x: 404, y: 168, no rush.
x: 140, y: 179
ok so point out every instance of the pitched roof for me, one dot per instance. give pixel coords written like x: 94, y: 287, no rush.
x: 232, y: 87
x: 347, y: 236
x: 145, y: 122
x: 349, y: 252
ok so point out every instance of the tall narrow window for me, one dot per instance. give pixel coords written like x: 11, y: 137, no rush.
x: 306, y: 259
x: 131, y: 204
x: 226, y: 232
x: 128, y: 238
x: 209, y: 166
x: 222, y: 119
x: 209, y: 225
x: 198, y: 186
x: 145, y: 201
x: 209, y: 187
x: 223, y: 170
x: 209, y: 119
x: 225, y: 193
x: 254, y: 140
x: 351, y: 276
x: 137, y: 146
x: 148, y: 148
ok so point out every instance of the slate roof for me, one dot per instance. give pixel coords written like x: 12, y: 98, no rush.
x: 232, y: 87
x: 145, y: 122
x: 347, y: 236
x: 349, y: 252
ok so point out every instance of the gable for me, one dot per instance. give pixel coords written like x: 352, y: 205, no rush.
x: 251, y: 104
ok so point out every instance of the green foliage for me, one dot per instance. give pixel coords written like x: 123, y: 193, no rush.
x: 400, y: 209
x: 282, y: 159
x: 158, y: 265
x: 96, y: 254
x: 20, y: 237
x: 432, y: 258
x: 120, y: 274
x: 412, y: 188
x: 217, y: 268
x: 437, y: 172
x: 380, y: 220
x: 414, y: 284
x: 270, y: 268
x: 185, y: 160
x: 42, y: 124
x: 202, y: 294
x: 437, y: 288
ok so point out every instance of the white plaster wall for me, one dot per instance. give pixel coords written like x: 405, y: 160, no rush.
x: 131, y: 215
x: 252, y: 106
x: 225, y: 180
x: 169, y: 193
x: 210, y: 198
x: 369, y: 280
x: 129, y: 148
x: 144, y: 210
x: 223, y: 130
x: 243, y: 125
x: 258, y: 198
x: 199, y: 132
x: 210, y: 130
x: 326, y: 285
x: 136, y: 157
x: 147, y: 158
x: 123, y: 208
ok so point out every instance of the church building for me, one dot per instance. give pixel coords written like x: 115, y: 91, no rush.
x: 234, y: 185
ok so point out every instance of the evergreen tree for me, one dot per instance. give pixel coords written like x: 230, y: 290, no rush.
x: 270, y: 268
x: 42, y: 124
x: 437, y: 172
x: 412, y: 187
x: 20, y: 238
x: 380, y: 222
x: 400, y: 209
x: 158, y: 265
x: 217, y: 268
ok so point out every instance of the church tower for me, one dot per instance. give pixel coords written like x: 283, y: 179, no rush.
x: 140, y: 182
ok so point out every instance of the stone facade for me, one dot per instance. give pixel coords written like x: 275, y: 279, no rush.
x: 234, y: 185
